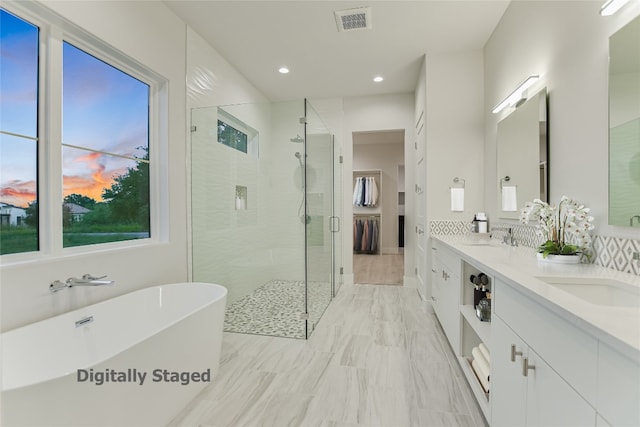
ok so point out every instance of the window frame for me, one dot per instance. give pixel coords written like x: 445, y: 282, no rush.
x: 54, y: 31
x: 253, y: 136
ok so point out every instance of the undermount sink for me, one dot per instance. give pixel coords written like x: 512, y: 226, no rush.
x: 481, y: 243
x: 597, y: 290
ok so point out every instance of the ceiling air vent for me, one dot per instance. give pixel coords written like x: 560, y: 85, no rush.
x: 353, y: 19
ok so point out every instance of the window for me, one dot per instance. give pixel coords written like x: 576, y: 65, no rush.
x: 236, y: 134
x: 105, y: 154
x: 18, y: 134
x: 231, y: 137
x: 102, y: 137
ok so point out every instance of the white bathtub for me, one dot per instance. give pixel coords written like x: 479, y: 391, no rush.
x: 153, y: 350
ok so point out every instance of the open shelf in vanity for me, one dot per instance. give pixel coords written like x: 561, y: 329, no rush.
x: 474, y: 332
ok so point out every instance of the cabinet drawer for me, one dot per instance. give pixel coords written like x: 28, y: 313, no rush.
x: 618, y: 387
x: 571, y: 352
x: 448, y: 258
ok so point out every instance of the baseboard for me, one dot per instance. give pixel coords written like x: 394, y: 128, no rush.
x: 347, y: 279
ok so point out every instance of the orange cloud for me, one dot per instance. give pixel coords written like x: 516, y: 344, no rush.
x: 93, y: 185
x: 18, y: 193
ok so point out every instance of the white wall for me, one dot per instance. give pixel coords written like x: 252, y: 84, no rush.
x: 566, y: 42
x: 454, y: 133
x: 149, y: 33
x: 373, y: 113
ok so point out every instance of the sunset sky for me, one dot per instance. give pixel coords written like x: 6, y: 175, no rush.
x: 103, y: 110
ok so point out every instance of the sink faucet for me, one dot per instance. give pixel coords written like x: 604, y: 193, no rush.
x: 86, y: 280
x: 632, y: 218
x: 509, y: 238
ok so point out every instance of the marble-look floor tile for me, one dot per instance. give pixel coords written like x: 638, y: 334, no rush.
x: 378, y: 357
x: 446, y: 419
x: 285, y: 410
x: 436, y: 387
x: 342, y: 395
x: 355, y: 351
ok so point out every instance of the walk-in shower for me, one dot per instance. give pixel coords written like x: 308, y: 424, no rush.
x: 263, y: 225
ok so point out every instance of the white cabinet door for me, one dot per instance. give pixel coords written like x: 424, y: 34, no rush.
x: 508, y: 385
x: 525, y: 391
x: 450, y: 306
x: 436, y: 271
x: 550, y: 400
x: 618, y: 387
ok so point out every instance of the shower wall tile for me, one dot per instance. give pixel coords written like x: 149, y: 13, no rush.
x: 610, y: 252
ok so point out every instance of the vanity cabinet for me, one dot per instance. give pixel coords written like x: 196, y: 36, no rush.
x: 445, y: 297
x: 618, y: 375
x: 548, y: 366
x: 525, y: 390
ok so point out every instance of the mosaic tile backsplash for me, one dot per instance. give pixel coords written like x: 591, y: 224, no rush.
x: 610, y: 252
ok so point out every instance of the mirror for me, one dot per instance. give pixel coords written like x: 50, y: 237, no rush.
x: 523, y: 160
x: 624, y: 126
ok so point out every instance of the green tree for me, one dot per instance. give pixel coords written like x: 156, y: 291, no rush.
x: 100, y: 215
x: 80, y: 200
x: 128, y: 196
x: 31, y: 214
x: 67, y: 218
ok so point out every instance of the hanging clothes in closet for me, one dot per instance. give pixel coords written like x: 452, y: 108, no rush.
x: 365, y: 192
x: 366, y: 234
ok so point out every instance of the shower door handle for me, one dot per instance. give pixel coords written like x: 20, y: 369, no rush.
x: 334, y: 224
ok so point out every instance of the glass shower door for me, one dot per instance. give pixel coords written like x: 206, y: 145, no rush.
x: 319, y: 206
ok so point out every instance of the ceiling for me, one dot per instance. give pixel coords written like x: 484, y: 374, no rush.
x: 258, y: 37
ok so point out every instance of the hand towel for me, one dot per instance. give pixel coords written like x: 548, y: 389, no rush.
x: 509, y: 198
x: 485, y: 352
x: 483, y: 382
x: 457, y: 199
x: 483, y: 365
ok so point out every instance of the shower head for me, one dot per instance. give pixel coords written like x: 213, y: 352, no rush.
x: 297, y: 139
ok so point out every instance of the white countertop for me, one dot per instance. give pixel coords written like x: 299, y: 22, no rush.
x: 616, y: 326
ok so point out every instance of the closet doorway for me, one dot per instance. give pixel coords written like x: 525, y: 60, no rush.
x: 378, y: 207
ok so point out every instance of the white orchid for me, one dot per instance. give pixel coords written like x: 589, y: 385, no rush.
x: 557, y: 224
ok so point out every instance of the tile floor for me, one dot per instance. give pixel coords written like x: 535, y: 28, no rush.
x: 378, y: 357
x: 276, y: 307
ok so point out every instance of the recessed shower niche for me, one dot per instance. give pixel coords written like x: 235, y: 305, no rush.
x: 257, y: 172
x: 241, y: 198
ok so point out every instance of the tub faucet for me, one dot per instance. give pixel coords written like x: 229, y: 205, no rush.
x: 86, y: 280
x: 632, y: 218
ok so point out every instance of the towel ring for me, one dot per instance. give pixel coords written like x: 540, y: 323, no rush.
x: 503, y: 180
x: 457, y: 181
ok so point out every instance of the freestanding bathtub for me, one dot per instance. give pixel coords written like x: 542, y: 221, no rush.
x: 134, y: 360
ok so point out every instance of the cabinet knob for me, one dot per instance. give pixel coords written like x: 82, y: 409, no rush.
x: 514, y: 353
x: 526, y: 367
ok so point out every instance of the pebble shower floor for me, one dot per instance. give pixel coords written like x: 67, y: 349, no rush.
x: 276, y: 307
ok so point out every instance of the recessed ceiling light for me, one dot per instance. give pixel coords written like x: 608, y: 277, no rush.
x: 283, y: 70
x: 378, y: 79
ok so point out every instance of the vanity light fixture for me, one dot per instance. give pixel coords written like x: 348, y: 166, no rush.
x: 378, y: 79
x: 517, y: 95
x: 611, y: 7
x: 283, y: 70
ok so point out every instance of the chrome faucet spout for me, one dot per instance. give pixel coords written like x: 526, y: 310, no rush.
x: 86, y: 280
x: 632, y: 218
